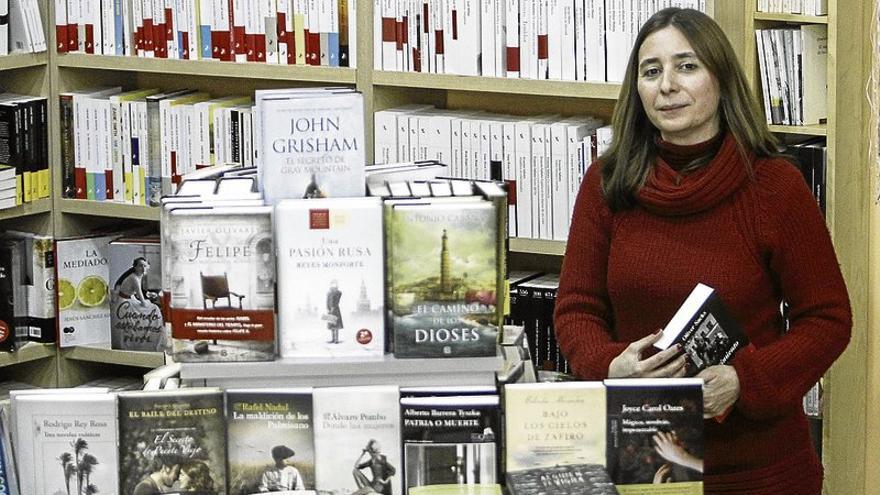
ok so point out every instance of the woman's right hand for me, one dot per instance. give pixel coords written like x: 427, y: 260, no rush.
x: 629, y: 364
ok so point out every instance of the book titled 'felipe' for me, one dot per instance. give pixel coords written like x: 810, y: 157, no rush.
x: 442, y: 268
x: 312, y: 145
x: 330, y: 277
x: 708, y: 334
x: 163, y: 433
x: 221, y: 270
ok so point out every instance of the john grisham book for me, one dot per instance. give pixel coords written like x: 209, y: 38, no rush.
x: 271, y: 440
x: 221, y: 270
x: 655, y: 435
x: 442, y: 266
x: 173, y: 441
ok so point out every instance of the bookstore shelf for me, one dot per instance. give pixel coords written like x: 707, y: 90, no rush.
x: 27, y: 209
x: 384, y: 370
x: 109, y: 209
x: 794, y: 18
x: 30, y: 352
x: 22, y: 60
x: 537, y: 246
x: 209, y: 68
x: 104, y: 354
x: 805, y: 130
x: 572, y: 89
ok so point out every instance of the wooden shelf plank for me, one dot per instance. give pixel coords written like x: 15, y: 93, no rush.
x: 806, y: 130
x: 103, y: 354
x: 537, y: 246
x: 341, y: 75
x: 109, y: 209
x: 796, y: 18
x: 572, y: 89
x: 32, y: 208
x: 30, y: 352
x: 22, y: 60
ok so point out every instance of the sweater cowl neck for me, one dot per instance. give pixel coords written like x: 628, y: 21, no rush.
x: 669, y: 193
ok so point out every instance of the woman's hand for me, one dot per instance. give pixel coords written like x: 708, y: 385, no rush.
x: 629, y: 364
x: 663, y: 474
x: 669, y: 448
x: 720, y: 389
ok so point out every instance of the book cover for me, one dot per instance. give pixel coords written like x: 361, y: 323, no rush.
x: 8, y: 478
x: 575, y: 479
x: 136, y: 322
x: 271, y: 440
x: 442, y: 263
x: 450, y: 441
x: 707, y: 333
x: 330, y: 277
x: 312, y: 145
x: 221, y: 266
x: 357, y: 439
x: 655, y: 435
x: 554, y: 424
x: 82, y: 290
x: 172, y: 441
x: 67, y: 443
x: 7, y: 298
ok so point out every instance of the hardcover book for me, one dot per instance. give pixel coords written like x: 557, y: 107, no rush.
x: 330, y: 277
x: 450, y: 441
x: 7, y: 298
x: 574, y: 479
x: 221, y: 266
x: 704, y: 328
x: 357, y: 439
x: 82, y: 288
x: 172, y: 441
x: 136, y: 321
x: 312, y: 145
x: 67, y: 443
x: 442, y: 266
x: 554, y: 424
x: 655, y: 435
x: 37, y: 265
x: 271, y: 440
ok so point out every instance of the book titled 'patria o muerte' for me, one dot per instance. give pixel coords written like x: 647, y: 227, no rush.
x: 221, y: 266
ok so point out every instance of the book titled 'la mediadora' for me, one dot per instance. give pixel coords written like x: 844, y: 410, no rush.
x: 708, y: 334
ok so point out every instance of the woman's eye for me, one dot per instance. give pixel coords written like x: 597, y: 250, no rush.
x: 688, y: 66
x: 651, y: 72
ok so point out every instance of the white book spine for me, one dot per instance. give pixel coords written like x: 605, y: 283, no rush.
x: 500, y: 41
x: 595, y: 46
x: 508, y: 173
x: 487, y: 37
x: 528, y: 61
x: 385, y: 131
x: 542, y: 43
x: 455, y: 166
x: 524, y: 179
x: 512, y: 38
x: 568, y: 40
x: 388, y: 34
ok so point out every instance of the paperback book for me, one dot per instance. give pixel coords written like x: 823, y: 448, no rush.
x: 450, y: 441
x: 330, y: 277
x: 172, y: 441
x: 655, y: 435
x: 221, y: 270
x: 271, y: 440
x: 442, y: 269
x: 707, y: 333
x: 7, y: 298
x: 312, y: 145
x: 357, y: 439
x: 136, y: 321
x: 82, y: 290
x: 574, y: 479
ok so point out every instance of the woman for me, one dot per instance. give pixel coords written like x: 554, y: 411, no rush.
x: 693, y: 190
x: 195, y: 477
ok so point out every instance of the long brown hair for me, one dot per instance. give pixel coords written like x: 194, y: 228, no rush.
x: 630, y: 157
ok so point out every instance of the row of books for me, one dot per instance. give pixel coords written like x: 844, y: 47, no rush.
x: 24, y: 154
x: 532, y: 301
x: 793, y: 64
x: 345, y: 439
x: 572, y: 40
x: 286, y: 32
x: 804, y: 7
x: 543, y: 159
x: 811, y: 157
x: 21, y: 27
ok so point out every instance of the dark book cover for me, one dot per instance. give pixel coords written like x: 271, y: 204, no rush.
x: 706, y: 331
x: 7, y: 297
x: 575, y: 479
x: 451, y: 440
x: 271, y: 440
x: 655, y: 435
x: 175, y: 440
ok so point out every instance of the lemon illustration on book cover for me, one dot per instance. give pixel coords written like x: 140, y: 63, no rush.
x: 83, y: 290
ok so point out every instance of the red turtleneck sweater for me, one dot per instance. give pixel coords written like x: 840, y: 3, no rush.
x: 757, y: 240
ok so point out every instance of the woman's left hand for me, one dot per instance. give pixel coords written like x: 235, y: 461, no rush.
x: 720, y: 389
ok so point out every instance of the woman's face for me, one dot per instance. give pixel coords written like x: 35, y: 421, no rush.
x: 184, y: 480
x: 678, y: 92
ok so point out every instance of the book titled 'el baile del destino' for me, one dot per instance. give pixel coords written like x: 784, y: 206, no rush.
x: 708, y: 334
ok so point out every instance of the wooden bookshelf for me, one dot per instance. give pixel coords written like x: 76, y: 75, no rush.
x: 23, y: 60
x: 104, y: 354
x: 27, y: 209
x: 109, y: 209
x: 30, y: 352
x: 791, y: 18
x: 804, y: 130
x: 537, y: 246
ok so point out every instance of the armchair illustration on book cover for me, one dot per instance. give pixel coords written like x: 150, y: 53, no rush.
x: 216, y: 287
